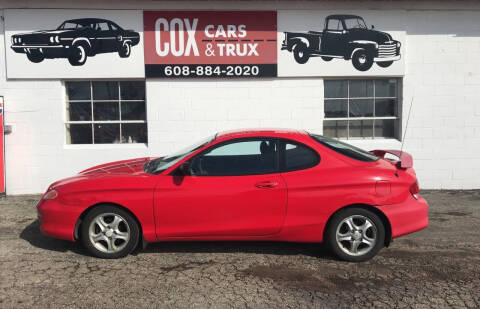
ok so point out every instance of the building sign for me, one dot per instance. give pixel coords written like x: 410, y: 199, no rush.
x: 327, y: 43
x: 210, y: 43
x: 74, y: 43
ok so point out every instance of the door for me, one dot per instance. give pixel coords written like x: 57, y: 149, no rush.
x: 333, y: 40
x: 107, y: 40
x: 231, y: 189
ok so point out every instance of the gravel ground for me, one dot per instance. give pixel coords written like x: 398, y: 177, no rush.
x: 437, y: 267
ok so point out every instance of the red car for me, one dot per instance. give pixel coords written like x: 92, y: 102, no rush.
x: 258, y: 185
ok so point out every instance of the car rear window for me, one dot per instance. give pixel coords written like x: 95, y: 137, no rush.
x: 345, y: 149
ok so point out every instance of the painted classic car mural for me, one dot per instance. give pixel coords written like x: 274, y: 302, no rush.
x: 346, y: 37
x: 76, y: 39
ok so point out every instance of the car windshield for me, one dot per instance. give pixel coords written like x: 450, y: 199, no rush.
x: 345, y: 149
x: 357, y: 22
x: 158, y: 165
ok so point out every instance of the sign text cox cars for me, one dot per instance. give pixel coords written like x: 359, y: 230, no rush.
x: 210, y: 44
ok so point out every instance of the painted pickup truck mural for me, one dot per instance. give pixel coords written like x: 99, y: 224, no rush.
x: 76, y: 39
x: 346, y: 37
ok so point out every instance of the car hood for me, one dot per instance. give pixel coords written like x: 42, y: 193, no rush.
x: 370, y: 35
x: 46, y: 32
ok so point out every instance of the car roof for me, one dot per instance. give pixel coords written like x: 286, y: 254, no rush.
x: 88, y: 20
x: 341, y: 16
x: 276, y: 132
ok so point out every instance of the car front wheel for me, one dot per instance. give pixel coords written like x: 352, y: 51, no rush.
x: 109, y: 232
x: 355, y: 234
x: 385, y: 64
x: 362, y: 60
x: 35, y: 56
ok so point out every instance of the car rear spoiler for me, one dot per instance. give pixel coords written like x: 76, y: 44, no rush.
x: 405, y: 160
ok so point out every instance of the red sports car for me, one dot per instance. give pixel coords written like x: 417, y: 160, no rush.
x: 259, y: 185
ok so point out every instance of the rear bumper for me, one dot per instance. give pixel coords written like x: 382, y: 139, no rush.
x: 407, y: 217
x: 57, y: 220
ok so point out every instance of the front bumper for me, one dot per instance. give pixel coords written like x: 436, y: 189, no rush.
x: 385, y: 59
x: 25, y: 48
x: 57, y: 220
x: 407, y: 217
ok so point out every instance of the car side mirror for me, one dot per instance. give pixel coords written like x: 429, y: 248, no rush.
x: 373, y: 27
x: 184, y: 168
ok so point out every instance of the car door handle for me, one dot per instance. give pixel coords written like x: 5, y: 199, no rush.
x: 266, y: 184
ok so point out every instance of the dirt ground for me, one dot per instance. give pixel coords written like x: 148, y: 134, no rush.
x: 435, y: 268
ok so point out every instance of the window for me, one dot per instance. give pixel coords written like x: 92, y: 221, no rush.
x: 361, y: 108
x: 102, y: 26
x: 106, y: 112
x: 345, y: 149
x: 298, y: 156
x: 334, y: 24
x: 240, y: 157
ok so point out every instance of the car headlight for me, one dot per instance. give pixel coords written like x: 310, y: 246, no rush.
x: 398, y: 44
x: 57, y: 39
x: 52, y: 39
x: 51, y: 195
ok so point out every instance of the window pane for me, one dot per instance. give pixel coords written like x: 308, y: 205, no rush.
x: 385, y: 107
x: 361, y: 88
x: 80, y: 111
x: 105, y: 111
x: 133, y: 111
x: 105, y: 90
x: 361, y: 107
x: 299, y: 157
x: 132, y: 90
x: 335, y: 88
x: 335, y: 108
x: 78, y: 90
x: 239, y: 158
x: 385, y: 128
x: 80, y: 133
x: 107, y: 133
x: 335, y: 128
x: 134, y: 133
x: 385, y: 87
x: 361, y: 128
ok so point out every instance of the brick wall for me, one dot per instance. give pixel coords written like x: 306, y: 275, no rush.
x: 442, y: 71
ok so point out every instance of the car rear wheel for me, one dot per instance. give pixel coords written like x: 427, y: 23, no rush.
x: 300, y: 53
x: 35, y: 56
x: 125, y: 50
x: 109, y: 232
x: 355, y: 234
x: 78, y: 55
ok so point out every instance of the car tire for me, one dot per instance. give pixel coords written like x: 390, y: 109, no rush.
x: 35, y: 56
x: 362, y: 60
x: 385, y: 64
x: 300, y: 53
x: 78, y: 55
x: 125, y: 50
x: 326, y: 58
x: 355, y: 234
x: 109, y: 232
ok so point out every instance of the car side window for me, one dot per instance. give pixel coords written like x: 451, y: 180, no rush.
x: 237, y: 158
x: 297, y: 156
x: 113, y: 26
x: 334, y: 24
x: 102, y: 26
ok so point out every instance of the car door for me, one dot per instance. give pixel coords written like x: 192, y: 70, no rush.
x: 333, y: 41
x: 232, y: 189
x: 105, y: 37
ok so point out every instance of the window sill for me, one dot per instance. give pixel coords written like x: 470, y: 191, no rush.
x: 107, y: 146
x: 371, y: 144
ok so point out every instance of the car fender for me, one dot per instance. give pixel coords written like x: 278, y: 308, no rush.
x: 361, y: 44
x: 82, y: 40
x: 296, y: 40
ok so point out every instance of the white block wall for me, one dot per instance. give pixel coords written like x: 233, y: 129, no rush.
x: 442, y: 72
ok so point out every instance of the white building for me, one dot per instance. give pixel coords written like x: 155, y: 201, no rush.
x: 64, y: 118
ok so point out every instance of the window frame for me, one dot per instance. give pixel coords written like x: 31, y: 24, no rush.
x: 93, y: 122
x: 283, y: 152
x: 398, y: 111
x: 231, y: 141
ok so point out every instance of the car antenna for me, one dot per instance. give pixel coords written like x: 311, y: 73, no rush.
x: 406, y: 125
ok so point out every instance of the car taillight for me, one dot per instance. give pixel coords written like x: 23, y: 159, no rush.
x: 414, y: 189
